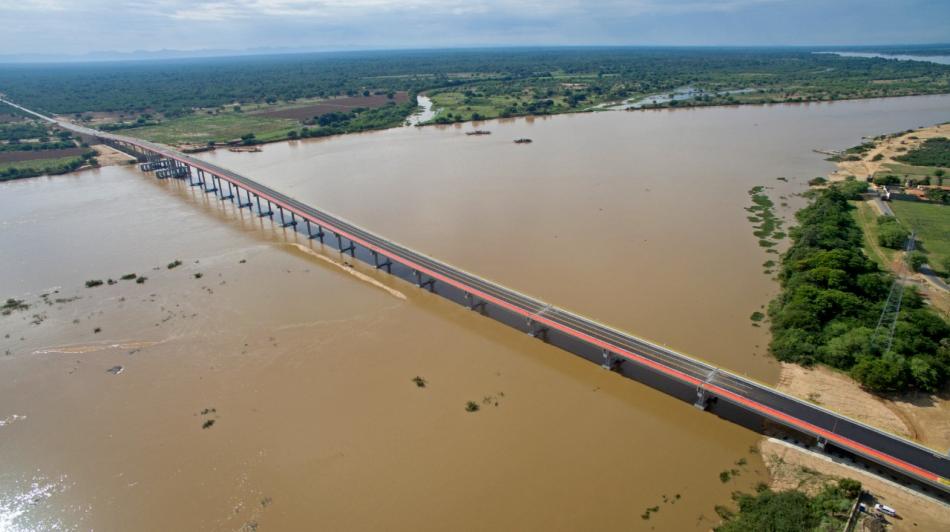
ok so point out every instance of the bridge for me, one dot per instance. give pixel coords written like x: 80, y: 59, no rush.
x: 709, y: 388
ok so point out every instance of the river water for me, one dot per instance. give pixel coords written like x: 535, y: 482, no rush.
x: 305, y: 365
x: 939, y: 59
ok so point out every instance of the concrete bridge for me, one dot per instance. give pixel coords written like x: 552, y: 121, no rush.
x: 730, y: 396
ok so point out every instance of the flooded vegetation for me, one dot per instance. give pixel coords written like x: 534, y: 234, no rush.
x: 234, y: 379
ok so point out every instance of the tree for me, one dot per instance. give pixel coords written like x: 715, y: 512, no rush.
x: 844, y: 350
x: 891, y: 234
x: 938, y: 195
x: 915, y: 259
x: 887, y: 180
x: 926, y: 373
x: 884, y: 374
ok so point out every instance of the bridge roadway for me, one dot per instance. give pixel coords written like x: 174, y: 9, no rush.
x: 897, y: 455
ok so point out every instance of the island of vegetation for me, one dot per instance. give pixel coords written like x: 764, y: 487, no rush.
x: 247, y: 100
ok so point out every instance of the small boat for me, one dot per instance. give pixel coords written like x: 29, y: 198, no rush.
x: 478, y: 132
x: 522, y: 141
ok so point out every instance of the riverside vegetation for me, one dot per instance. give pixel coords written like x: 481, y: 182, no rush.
x: 237, y: 93
x: 30, y: 148
x: 832, y: 296
x: 791, y: 510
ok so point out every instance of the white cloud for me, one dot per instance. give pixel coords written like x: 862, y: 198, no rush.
x: 33, y: 5
x: 222, y: 10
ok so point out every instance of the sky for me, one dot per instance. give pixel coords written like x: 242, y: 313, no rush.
x: 77, y: 27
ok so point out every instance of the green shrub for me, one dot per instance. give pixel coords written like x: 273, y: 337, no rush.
x: 888, y: 180
x: 915, y: 259
x: 891, y: 234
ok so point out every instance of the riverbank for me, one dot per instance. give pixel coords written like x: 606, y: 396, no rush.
x: 916, y: 415
x: 882, y: 151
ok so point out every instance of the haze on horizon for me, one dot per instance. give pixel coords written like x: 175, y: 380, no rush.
x: 70, y: 28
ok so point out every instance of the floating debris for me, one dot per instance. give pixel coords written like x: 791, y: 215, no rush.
x: 478, y: 132
x: 523, y: 141
x: 115, y: 370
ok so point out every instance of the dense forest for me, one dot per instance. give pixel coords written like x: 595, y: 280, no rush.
x: 571, y: 75
x: 832, y: 297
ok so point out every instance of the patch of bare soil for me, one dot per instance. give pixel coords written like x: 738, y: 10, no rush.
x: 109, y: 156
x: 791, y: 467
x: 887, y: 148
x: 336, y: 104
x: 838, y: 392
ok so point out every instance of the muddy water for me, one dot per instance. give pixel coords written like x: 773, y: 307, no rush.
x: 633, y: 218
x: 304, y: 364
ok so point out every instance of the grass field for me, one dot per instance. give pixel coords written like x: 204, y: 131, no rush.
x: 223, y: 127
x: 931, y: 222
x: 918, y: 173
x: 866, y: 217
x: 37, y: 164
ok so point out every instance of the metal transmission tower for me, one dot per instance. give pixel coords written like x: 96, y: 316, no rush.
x: 892, y: 308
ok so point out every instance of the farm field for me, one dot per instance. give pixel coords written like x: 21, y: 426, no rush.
x: 7, y: 157
x: 222, y: 127
x: 349, y: 103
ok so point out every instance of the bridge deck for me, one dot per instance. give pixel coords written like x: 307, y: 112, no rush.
x: 894, y: 453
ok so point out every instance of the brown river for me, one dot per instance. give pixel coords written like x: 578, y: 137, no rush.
x: 264, y: 384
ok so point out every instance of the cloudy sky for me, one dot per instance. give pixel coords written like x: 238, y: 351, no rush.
x: 82, y: 26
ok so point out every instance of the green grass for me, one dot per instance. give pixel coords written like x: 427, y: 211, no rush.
x: 38, y: 164
x: 866, y: 218
x: 917, y: 173
x: 931, y: 222
x: 223, y: 127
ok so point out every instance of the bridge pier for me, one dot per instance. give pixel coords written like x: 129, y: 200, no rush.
x: 611, y: 361
x: 388, y: 264
x: 535, y: 330
x: 230, y: 195
x: 430, y: 283
x: 260, y: 212
x: 474, y: 303
x: 319, y: 234
x: 351, y: 249
x: 291, y: 223
x: 249, y: 205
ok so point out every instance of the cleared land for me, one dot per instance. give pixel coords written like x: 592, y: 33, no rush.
x: 335, y: 105
x: 221, y: 127
x: 931, y: 222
